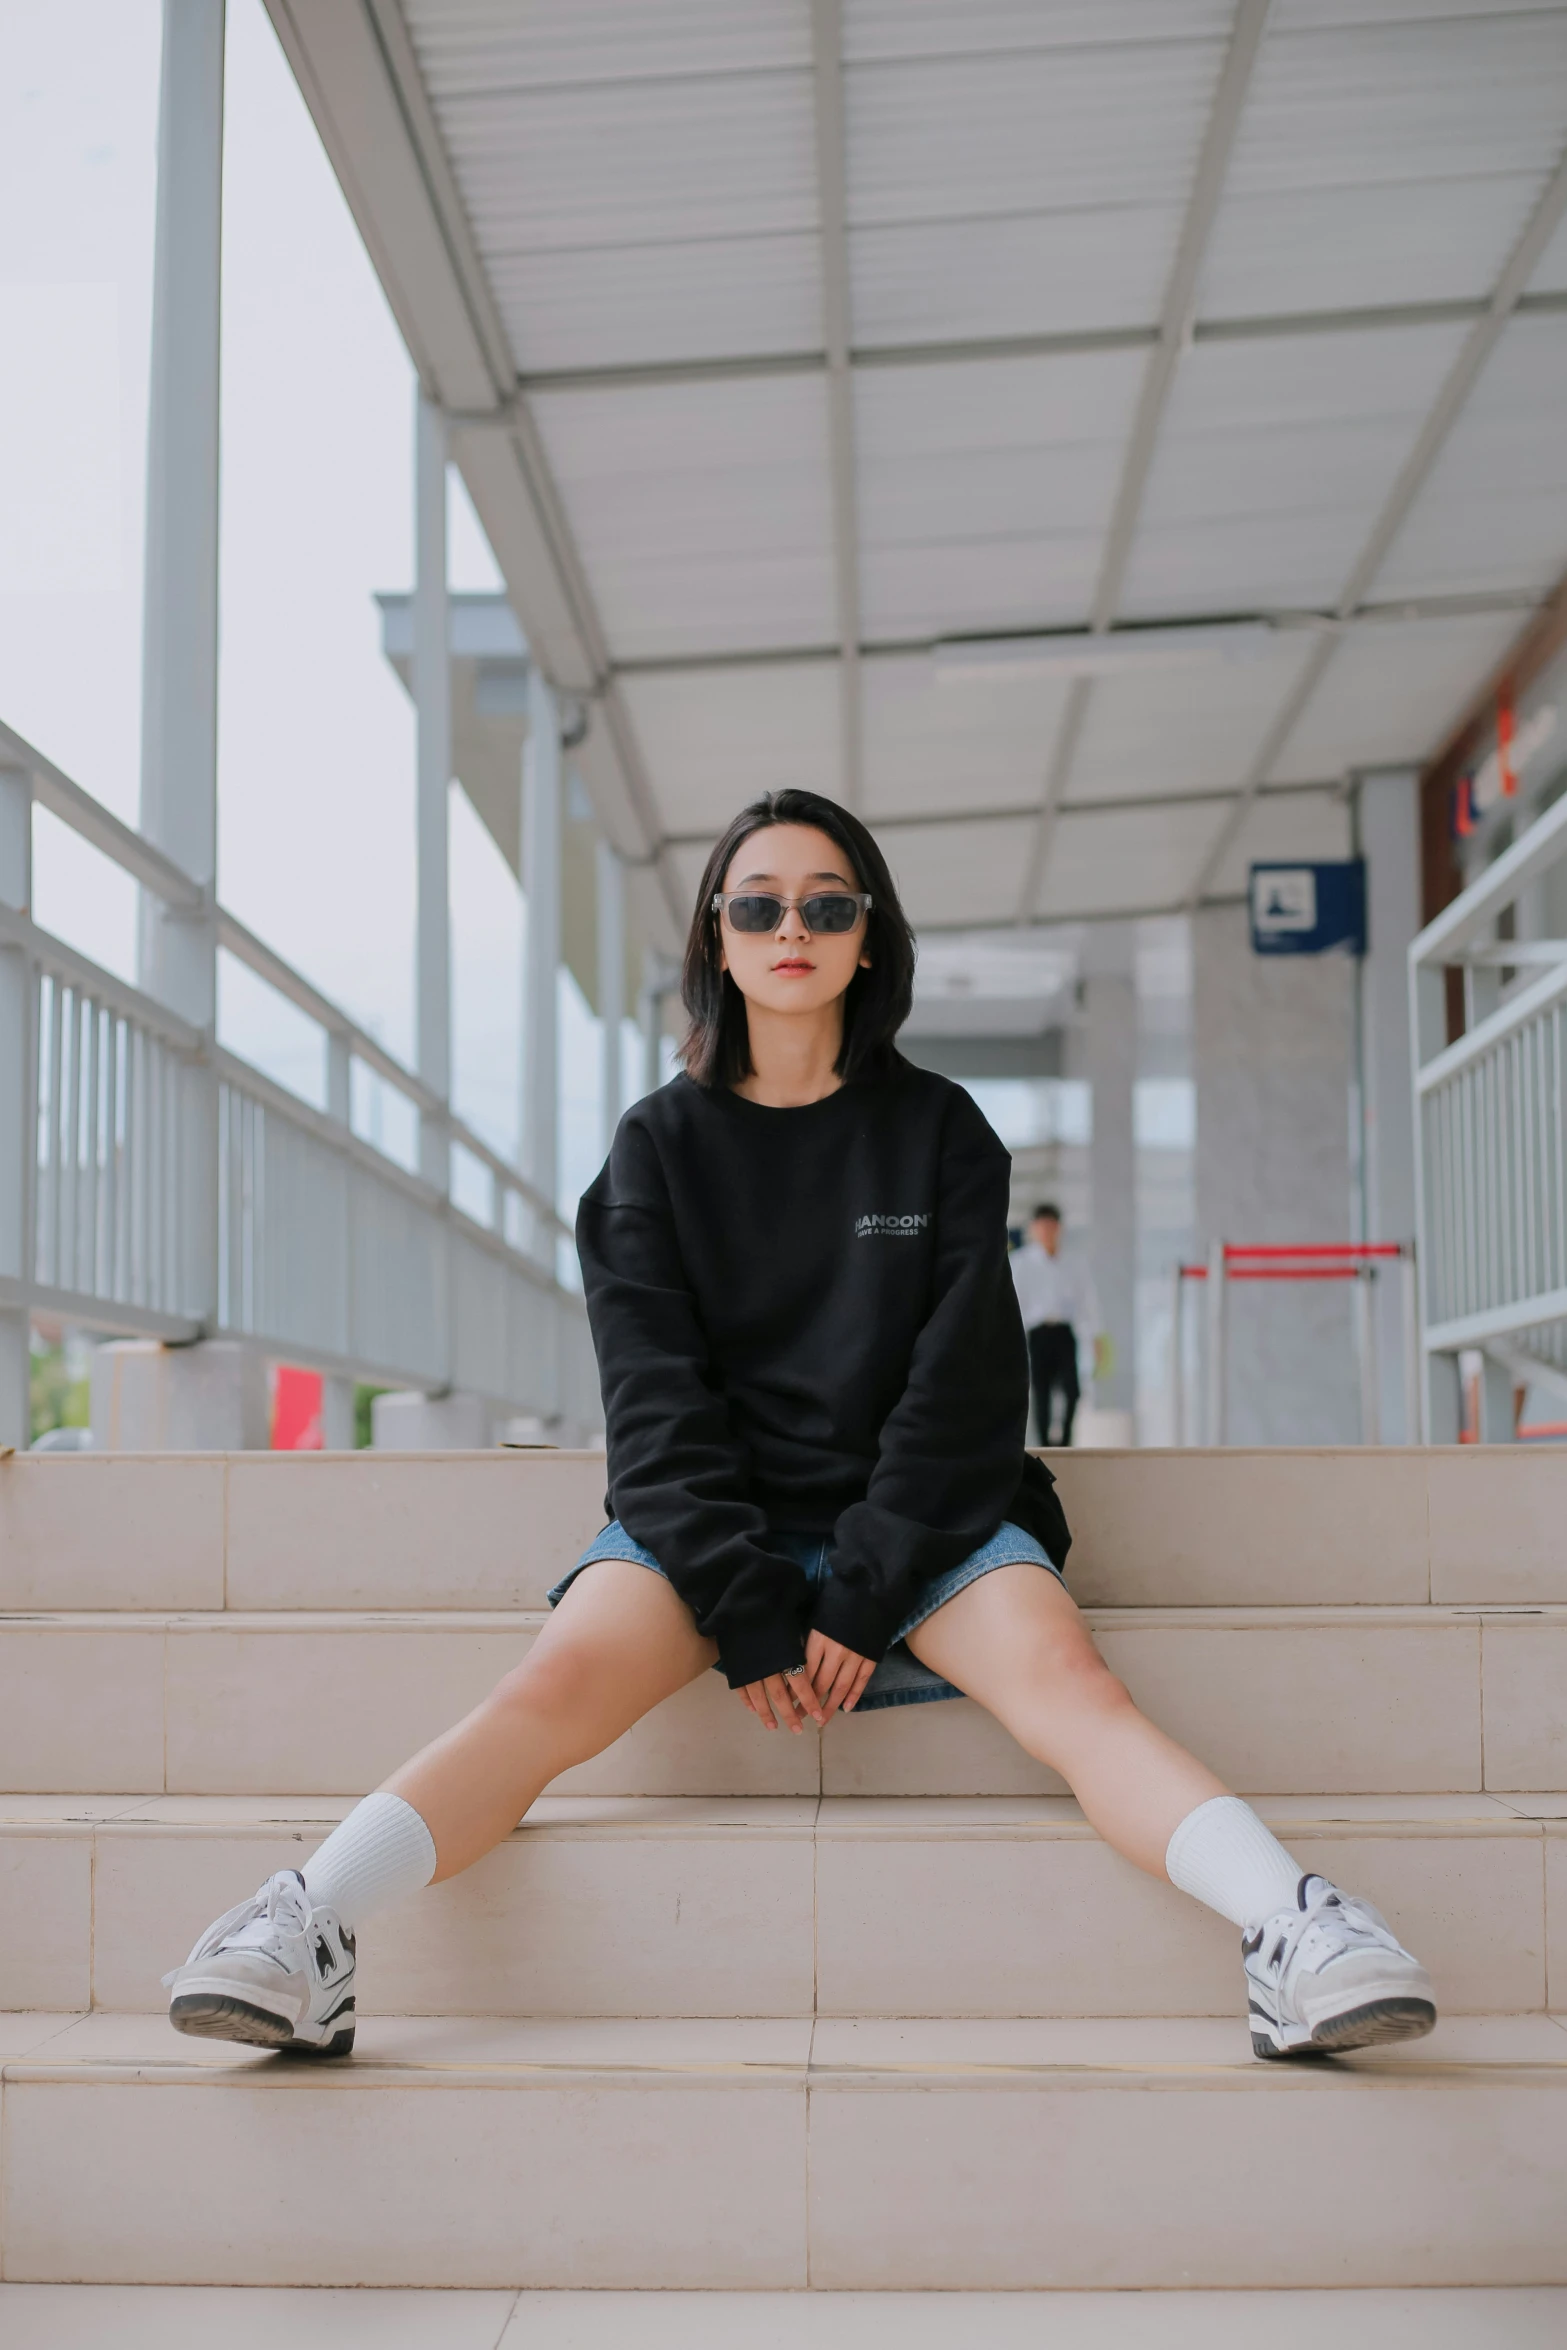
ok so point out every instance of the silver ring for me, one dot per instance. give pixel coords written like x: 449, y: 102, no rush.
x: 793, y: 1672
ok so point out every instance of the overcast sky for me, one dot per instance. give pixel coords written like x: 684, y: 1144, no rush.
x: 316, y: 749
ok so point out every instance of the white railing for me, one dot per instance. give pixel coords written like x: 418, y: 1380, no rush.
x: 173, y: 1191
x: 1491, y: 1135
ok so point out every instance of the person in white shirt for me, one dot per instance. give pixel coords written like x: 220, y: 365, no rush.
x: 1056, y: 1295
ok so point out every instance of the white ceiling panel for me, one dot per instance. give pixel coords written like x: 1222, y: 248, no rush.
x: 948, y: 874
x: 1391, y: 693
x: 931, y: 744
x: 1354, y: 248
x: 627, y: 163
x: 701, y: 511
x: 1283, y: 824
x: 1273, y: 462
x: 474, y: 45
x: 1341, y: 103
x: 629, y: 305
x: 964, y: 136
x: 953, y: 28
x: 985, y: 489
x: 713, y: 739
x: 1493, y: 513
x: 1042, y: 273
x: 914, y: 594
x: 1111, y: 861
x: 1182, y: 729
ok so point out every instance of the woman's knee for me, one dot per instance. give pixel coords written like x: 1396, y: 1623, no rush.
x: 1068, y: 1674
x: 560, y: 1684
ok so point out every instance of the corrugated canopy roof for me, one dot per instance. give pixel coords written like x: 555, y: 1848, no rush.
x: 795, y: 339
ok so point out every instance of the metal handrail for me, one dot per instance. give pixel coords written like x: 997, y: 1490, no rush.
x: 137, y: 1128
x: 1490, y: 1113
x: 104, y: 831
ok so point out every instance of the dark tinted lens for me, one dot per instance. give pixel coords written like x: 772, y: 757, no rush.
x: 830, y: 913
x: 755, y: 913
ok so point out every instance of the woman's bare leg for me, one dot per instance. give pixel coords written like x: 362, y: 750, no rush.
x: 617, y: 1645
x: 1015, y: 1641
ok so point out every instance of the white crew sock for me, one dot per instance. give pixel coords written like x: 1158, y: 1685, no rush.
x: 1222, y: 1854
x: 380, y: 1852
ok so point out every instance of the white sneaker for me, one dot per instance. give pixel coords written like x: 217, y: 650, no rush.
x: 274, y: 1973
x: 1331, y: 1975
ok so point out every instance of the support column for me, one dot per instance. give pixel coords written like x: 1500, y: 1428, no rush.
x: 177, y: 949
x: 1110, y: 1063
x: 1388, y: 825
x: 541, y: 846
x: 657, y: 981
x: 1271, y: 1053
x: 611, y: 910
x: 337, y: 1393
x: 18, y: 1120
x: 432, y: 692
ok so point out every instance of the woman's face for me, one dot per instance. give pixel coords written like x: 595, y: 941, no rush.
x: 789, y: 968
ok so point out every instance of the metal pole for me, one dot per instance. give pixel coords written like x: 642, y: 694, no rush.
x: 656, y: 981
x: 337, y: 1394
x: 18, y: 1116
x: 541, y: 847
x: 611, y: 893
x: 177, y: 948
x: 432, y: 691
x: 1218, y: 1334
x: 1366, y: 1356
x: 1177, y: 1359
x: 1498, y: 1421
x: 1409, y: 1321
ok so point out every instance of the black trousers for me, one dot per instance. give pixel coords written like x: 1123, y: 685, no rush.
x: 1052, y: 1364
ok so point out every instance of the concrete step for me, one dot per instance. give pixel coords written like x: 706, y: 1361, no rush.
x: 258, y: 2317
x: 1467, y: 1525
x: 1286, y: 1700
x: 788, y: 1906
x: 759, y: 2156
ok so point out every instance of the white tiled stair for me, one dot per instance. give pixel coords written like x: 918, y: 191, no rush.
x: 874, y: 2013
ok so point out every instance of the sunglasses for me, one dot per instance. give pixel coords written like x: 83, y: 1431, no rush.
x: 754, y: 912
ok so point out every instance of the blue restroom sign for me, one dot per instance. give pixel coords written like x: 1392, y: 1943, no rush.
x: 1308, y: 909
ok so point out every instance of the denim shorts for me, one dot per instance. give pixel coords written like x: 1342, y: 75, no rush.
x: 900, y: 1678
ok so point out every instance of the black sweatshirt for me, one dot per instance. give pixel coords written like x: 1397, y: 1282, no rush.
x: 805, y: 1319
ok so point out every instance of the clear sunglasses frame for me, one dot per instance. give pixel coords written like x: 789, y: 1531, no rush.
x: 859, y: 899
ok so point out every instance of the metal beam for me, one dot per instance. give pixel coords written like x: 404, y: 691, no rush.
x: 1175, y: 328
x: 1131, y: 803
x: 1010, y: 924
x: 831, y: 193
x: 967, y: 350
x: 1413, y: 475
x: 1408, y: 608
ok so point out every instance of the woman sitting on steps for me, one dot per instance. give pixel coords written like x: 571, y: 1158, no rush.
x: 815, y: 1391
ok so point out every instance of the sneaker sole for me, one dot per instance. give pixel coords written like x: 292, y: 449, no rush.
x: 1377, y: 2024
x: 211, y: 2015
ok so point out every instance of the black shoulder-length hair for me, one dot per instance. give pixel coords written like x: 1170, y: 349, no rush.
x: 717, y: 1046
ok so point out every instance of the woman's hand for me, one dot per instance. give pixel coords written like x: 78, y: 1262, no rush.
x: 784, y: 1700
x: 834, y: 1680
x: 836, y: 1674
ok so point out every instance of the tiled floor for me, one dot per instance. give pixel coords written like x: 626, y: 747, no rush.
x: 150, y: 2317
